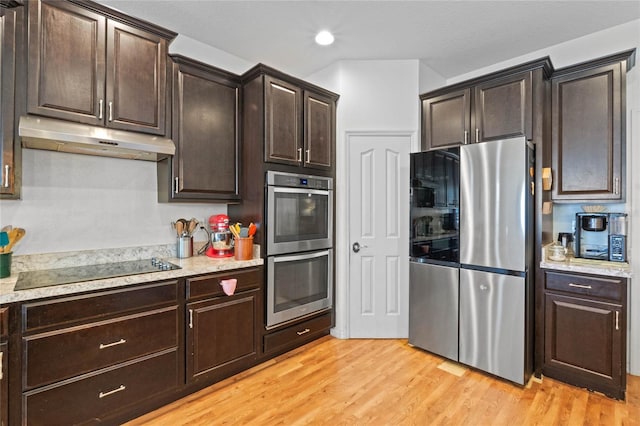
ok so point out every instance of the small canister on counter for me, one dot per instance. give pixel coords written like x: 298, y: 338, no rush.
x: 557, y: 253
x: 5, y: 264
x: 185, y: 247
x: 243, y: 248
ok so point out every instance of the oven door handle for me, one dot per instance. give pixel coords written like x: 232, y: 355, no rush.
x: 294, y: 257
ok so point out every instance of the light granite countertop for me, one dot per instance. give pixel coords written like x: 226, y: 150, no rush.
x: 191, y: 266
x: 586, y: 266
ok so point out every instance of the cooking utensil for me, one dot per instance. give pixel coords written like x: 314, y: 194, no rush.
x: 193, y: 224
x: 179, y: 228
x: 15, y: 235
x: 6, y: 228
x: 4, y: 240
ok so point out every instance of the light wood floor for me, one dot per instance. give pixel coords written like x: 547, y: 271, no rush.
x: 387, y: 382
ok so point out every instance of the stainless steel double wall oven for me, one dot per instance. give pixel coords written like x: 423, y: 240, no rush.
x: 299, y: 245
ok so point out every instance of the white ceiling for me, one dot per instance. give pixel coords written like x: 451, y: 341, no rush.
x: 451, y: 37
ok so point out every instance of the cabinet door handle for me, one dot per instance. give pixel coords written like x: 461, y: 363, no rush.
x: 111, y: 392
x: 616, y: 186
x: 299, y: 155
x: 477, y: 135
x: 110, y: 111
x: 305, y: 331
x: 1, y: 366
x: 466, y: 137
x: 6, y: 175
x: 588, y: 287
x: 308, y: 155
x: 190, y: 318
x: 617, y: 320
x: 108, y: 345
x: 100, y: 106
x: 176, y: 184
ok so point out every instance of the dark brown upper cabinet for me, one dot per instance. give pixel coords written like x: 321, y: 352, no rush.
x: 205, y: 129
x: 446, y: 119
x: 299, y: 124
x: 90, y: 64
x: 491, y: 107
x: 283, y: 122
x: 503, y: 108
x: 588, y: 129
x: 319, y: 113
x: 10, y: 39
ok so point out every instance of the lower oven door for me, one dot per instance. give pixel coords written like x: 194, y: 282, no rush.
x: 298, y: 285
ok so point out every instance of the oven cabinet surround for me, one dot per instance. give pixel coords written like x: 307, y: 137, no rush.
x: 223, y: 331
x: 585, y: 331
x: 296, y: 333
x: 90, y: 64
x: 294, y: 119
x: 10, y: 73
x: 496, y: 106
x: 206, y: 131
x: 588, y: 131
x: 4, y: 363
x: 104, y: 354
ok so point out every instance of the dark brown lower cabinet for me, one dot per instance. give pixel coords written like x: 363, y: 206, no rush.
x: 99, y: 396
x: 292, y: 336
x: 4, y: 370
x: 97, y: 357
x: 585, y: 331
x: 221, y: 335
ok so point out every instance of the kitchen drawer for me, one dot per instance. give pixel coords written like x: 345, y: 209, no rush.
x: 96, y: 397
x: 62, y: 354
x: 298, y: 334
x: 612, y: 288
x: 209, y: 285
x: 77, y: 309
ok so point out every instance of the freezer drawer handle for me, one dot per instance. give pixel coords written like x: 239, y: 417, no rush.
x: 111, y: 392
x: 588, y: 287
x: 108, y: 345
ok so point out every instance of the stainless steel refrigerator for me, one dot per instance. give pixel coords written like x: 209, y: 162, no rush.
x: 481, y: 299
x: 496, y: 232
x: 434, y: 239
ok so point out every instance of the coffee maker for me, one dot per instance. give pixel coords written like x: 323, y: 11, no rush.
x: 601, y: 236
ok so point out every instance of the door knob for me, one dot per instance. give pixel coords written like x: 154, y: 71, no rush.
x: 356, y: 247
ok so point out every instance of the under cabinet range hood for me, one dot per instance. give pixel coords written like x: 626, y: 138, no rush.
x: 65, y: 136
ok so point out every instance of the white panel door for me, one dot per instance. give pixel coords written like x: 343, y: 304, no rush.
x: 379, y: 235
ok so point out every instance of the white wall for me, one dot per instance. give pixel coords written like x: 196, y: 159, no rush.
x: 76, y: 202
x: 199, y: 51
x: 603, y: 43
x: 374, y: 96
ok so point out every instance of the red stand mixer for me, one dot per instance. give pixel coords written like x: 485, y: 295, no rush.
x: 220, y: 242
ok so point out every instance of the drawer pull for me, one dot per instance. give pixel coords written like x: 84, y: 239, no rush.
x: 617, y: 320
x: 108, y: 345
x: 111, y: 392
x: 305, y: 331
x: 1, y: 366
x: 588, y: 287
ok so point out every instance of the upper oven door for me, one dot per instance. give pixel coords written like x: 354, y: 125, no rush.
x: 299, y: 219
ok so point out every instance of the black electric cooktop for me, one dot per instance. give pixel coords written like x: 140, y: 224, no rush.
x: 76, y: 274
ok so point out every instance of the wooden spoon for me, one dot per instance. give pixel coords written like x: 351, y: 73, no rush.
x: 179, y: 228
x: 15, y: 235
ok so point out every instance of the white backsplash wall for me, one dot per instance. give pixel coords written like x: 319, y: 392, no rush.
x: 77, y: 202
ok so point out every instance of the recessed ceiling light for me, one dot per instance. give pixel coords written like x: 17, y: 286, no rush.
x: 324, y: 38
